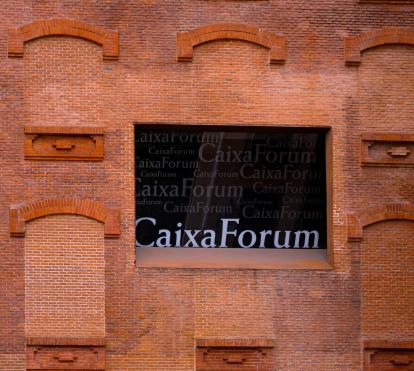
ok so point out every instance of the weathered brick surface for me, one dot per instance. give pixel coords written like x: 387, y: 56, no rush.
x: 52, y: 27
x: 374, y: 214
x: 19, y: 215
x: 63, y: 143
x: 186, y: 41
x: 388, y: 281
x: 64, y: 277
x: 152, y: 316
x: 355, y: 45
x: 13, y: 362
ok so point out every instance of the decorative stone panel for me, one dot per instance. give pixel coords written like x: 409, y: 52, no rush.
x: 66, y: 27
x: 387, y: 150
x: 355, y: 45
x: 63, y: 143
x: 54, y: 354
x: 19, y: 215
x: 234, y: 354
x: 186, y: 41
x: 388, y: 356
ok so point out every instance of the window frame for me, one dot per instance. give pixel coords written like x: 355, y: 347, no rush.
x: 228, y: 258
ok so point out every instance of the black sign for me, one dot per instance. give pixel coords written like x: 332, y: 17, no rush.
x: 256, y: 188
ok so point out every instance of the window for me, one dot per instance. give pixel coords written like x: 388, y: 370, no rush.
x: 233, y: 196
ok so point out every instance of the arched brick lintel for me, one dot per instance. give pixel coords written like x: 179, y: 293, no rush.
x: 186, y: 41
x: 20, y: 215
x: 358, y: 221
x: 355, y: 45
x: 51, y: 27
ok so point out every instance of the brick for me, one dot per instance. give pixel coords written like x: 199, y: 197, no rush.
x: 186, y: 41
x: 66, y: 27
x: 368, y: 216
x: 319, y: 320
x: 19, y: 215
x: 355, y: 45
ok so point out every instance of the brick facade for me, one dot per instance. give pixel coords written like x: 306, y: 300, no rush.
x: 72, y: 296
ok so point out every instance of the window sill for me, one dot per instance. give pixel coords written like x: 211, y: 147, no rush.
x: 153, y: 257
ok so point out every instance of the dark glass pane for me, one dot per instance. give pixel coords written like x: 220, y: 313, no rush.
x: 256, y: 188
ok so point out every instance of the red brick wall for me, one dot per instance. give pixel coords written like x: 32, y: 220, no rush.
x: 63, y: 86
x: 153, y: 315
x: 388, y: 281
x: 391, y: 361
x: 65, y: 277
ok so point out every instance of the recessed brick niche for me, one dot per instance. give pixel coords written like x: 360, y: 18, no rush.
x: 234, y: 354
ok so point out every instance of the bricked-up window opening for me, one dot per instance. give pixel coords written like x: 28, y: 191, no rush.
x: 199, y: 187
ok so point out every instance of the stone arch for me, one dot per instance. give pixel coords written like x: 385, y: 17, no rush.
x: 355, y: 45
x: 358, y: 221
x: 51, y: 27
x: 20, y: 215
x: 186, y: 41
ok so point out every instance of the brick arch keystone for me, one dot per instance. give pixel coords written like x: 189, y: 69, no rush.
x: 52, y: 27
x: 20, y: 215
x: 355, y: 45
x: 358, y: 221
x: 186, y: 41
